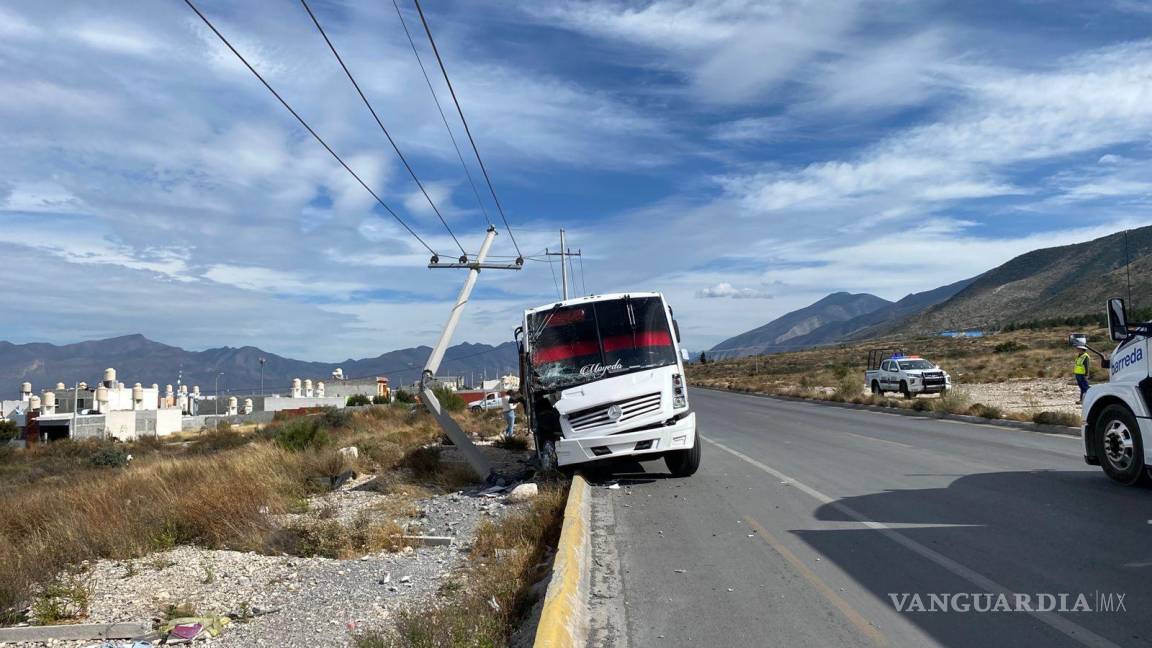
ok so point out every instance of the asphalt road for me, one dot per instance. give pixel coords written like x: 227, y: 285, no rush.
x: 806, y: 520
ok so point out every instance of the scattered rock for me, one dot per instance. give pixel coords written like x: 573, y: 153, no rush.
x: 524, y: 492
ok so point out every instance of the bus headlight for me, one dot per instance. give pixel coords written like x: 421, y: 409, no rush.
x: 678, y: 402
x: 678, y: 399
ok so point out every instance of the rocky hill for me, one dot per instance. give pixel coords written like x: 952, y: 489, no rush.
x: 138, y: 359
x: 783, y: 333
x: 1052, y: 283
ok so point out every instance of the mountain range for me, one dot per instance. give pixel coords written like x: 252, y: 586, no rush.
x: 1051, y: 283
x: 139, y: 359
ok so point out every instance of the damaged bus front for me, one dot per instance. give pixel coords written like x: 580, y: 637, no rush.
x: 604, y: 379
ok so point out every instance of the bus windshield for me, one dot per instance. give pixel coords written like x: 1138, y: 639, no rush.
x: 576, y: 344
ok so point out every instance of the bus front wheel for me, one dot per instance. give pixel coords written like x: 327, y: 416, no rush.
x: 684, y: 463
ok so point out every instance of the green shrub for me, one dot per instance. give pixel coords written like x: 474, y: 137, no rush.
x: 357, y: 399
x: 1067, y: 419
x: 8, y: 430
x: 299, y: 434
x: 405, y: 396
x: 922, y: 405
x: 379, y: 400
x: 449, y: 400
x: 1011, y: 346
x: 334, y: 418
x: 109, y: 457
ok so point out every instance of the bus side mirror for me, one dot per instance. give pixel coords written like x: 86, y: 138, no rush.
x: 685, y: 355
x: 1117, y: 319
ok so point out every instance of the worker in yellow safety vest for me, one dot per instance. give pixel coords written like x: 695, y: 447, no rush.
x: 1081, y: 371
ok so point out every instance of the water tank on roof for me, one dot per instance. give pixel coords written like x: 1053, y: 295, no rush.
x: 109, y: 377
x: 137, y: 393
x: 102, y: 394
x: 49, y: 403
x: 61, y: 385
x: 34, y: 403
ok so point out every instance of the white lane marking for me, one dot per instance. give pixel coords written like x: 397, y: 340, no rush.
x: 879, y: 440
x: 1072, y: 630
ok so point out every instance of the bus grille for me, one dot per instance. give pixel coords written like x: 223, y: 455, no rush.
x: 629, y: 409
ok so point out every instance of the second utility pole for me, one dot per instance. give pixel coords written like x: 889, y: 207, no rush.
x: 564, y: 253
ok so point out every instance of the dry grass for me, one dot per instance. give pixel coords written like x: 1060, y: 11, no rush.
x: 484, y: 610
x: 836, y: 373
x: 225, y: 497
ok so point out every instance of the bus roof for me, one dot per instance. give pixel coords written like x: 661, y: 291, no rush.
x: 589, y: 299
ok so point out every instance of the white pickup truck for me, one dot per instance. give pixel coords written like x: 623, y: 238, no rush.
x: 892, y: 371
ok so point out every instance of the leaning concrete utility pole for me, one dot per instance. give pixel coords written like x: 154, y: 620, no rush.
x: 476, y: 459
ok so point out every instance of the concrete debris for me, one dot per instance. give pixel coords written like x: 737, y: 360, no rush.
x: 349, y: 453
x: 524, y: 492
x: 75, y: 632
x: 405, y: 578
x: 426, y: 540
x: 680, y: 571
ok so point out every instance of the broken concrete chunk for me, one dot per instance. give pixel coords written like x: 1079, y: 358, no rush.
x: 349, y: 453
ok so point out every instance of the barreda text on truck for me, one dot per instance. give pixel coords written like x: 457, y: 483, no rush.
x: 604, y: 379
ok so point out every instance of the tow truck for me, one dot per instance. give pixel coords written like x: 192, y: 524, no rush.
x: 891, y: 370
x: 1118, y: 414
x: 604, y: 379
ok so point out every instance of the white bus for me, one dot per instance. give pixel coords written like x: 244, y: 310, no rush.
x: 603, y: 379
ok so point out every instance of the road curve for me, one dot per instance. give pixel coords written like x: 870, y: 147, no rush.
x: 807, y: 524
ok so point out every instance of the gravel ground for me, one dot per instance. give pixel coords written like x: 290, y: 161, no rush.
x: 320, y: 601
x: 1029, y: 396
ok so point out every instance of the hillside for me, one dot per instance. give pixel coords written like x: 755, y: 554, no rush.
x: 139, y: 359
x: 783, y: 332
x: 1051, y: 283
x: 872, y: 323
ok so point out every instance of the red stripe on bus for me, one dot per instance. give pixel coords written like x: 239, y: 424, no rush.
x: 617, y: 343
x: 557, y: 353
x: 638, y: 341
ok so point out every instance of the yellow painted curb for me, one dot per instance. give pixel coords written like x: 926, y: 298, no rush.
x: 564, y: 619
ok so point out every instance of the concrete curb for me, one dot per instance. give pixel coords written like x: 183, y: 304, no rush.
x: 564, y: 619
x: 1019, y: 425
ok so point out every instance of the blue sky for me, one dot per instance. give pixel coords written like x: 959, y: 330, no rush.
x: 745, y: 158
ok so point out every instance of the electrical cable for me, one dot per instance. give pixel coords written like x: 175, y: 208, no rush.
x: 379, y: 123
x: 306, y: 126
x: 443, y: 117
x: 467, y: 130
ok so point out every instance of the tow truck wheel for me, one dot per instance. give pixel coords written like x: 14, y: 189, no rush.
x: 684, y: 463
x: 875, y: 387
x: 904, y: 389
x: 1119, y: 445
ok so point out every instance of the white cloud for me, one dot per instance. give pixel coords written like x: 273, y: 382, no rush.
x: 725, y: 289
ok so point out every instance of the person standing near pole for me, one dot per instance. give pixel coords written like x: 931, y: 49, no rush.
x: 1081, y: 371
x: 508, y: 407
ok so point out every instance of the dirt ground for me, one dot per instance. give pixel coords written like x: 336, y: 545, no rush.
x: 1026, y: 396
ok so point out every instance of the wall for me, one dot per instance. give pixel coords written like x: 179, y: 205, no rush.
x: 272, y: 404
x: 121, y: 424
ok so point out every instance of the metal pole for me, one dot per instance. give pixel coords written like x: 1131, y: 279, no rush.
x: 262, y: 361
x: 216, y: 401
x: 563, y: 266
x: 75, y: 408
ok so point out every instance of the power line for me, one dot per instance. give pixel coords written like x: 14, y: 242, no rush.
x: 555, y: 284
x: 379, y: 123
x: 468, y: 131
x: 583, y: 283
x: 443, y: 117
x: 306, y: 126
